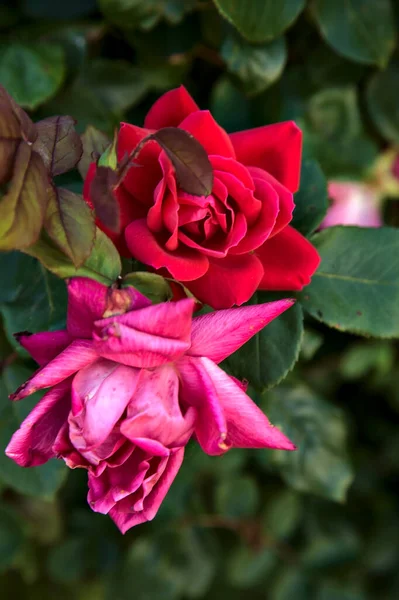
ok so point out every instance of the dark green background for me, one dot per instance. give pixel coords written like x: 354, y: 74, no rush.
x: 322, y: 523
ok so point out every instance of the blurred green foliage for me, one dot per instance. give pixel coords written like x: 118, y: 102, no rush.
x: 319, y: 524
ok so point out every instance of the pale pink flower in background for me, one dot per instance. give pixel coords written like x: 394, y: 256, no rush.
x: 353, y: 203
x: 129, y: 384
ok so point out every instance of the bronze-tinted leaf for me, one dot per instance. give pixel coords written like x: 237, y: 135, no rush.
x: 193, y: 169
x: 94, y: 144
x: 18, y: 117
x: 70, y: 224
x: 23, y: 207
x: 58, y: 144
x: 15, y: 125
x: 103, y: 198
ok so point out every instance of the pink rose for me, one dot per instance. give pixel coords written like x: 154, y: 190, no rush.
x: 352, y: 204
x: 129, y: 384
x: 226, y: 245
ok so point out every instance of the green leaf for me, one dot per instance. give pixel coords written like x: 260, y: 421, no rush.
x: 361, y: 358
x: 382, y: 96
x: 103, y: 264
x: 337, y: 591
x: 237, y: 497
x: 58, y: 144
x: 151, y: 285
x: 336, y: 548
x: 116, y: 83
x: 11, y: 537
x: 192, y: 166
x: 334, y: 133
x: 31, y: 73
x: 357, y: 285
x: 282, y: 515
x: 109, y: 157
x: 291, y: 583
x: 326, y: 69
x: 48, y: 9
x: 255, y: 67
x: 70, y: 224
x: 94, y: 143
x: 267, y: 358
x: 190, y: 555
x: 260, y: 20
x: 146, y: 571
x: 23, y: 206
x: 320, y: 464
x: 132, y: 14
x: 247, y: 567
x: 36, y: 300
x: 311, y: 200
x: 229, y: 107
x: 68, y: 562
x: 362, y: 30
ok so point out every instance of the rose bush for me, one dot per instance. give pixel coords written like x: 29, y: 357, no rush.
x: 130, y: 383
x: 236, y: 240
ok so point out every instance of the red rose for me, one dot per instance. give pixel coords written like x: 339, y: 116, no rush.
x: 227, y: 245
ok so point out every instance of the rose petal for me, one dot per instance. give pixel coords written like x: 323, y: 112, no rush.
x: 149, y: 337
x: 219, y: 248
x: 184, y: 264
x: 289, y: 260
x: 155, y: 412
x: 144, y: 175
x: 170, y: 109
x: 88, y: 300
x: 231, y: 418
x: 76, y: 356
x: 353, y: 204
x: 44, y: 346
x: 211, y: 136
x: 103, y: 404
x: 218, y: 334
x: 275, y: 148
x: 32, y: 443
x: 266, y: 221
x: 127, y: 520
x: 286, y: 202
x: 228, y: 281
x: 114, y: 484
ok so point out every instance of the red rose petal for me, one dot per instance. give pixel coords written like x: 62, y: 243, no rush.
x: 289, y: 260
x: 265, y: 223
x: 228, y: 281
x: 183, y: 264
x: 170, y: 109
x: 275, y: 148
x: 204, y: 128
x: 140, y: 181
x: 286, y: 200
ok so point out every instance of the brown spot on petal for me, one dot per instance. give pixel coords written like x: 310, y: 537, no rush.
x: 118, y: 302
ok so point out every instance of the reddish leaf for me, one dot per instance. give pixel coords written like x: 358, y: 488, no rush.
x: 193, y: 169
x: 58, y: 144
x: 23, y: 207
x: 103, y: 199
x: 70, y: 224
x: 15, y: 125
x: 94, y: 143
